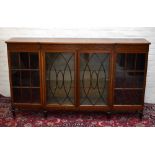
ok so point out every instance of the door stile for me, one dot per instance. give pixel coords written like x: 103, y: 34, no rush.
x: 43, y: 81
x: 112, y: 76
x: 77, y: 79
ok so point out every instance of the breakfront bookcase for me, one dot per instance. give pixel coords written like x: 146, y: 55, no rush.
x: 77, y: 74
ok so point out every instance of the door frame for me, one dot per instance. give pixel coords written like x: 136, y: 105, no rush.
x: 130, y: 49
x: 110, y: 82
x: 56, y: 106
x: 24, y: 48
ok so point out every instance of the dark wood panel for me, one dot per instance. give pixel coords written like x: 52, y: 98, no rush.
x: 95, y: 108
x: 127, y: 107
x: 81, y: 108
x: 80, y: 47
x: 131, y: 48
x: 23, y: 47
x: 28, y: 106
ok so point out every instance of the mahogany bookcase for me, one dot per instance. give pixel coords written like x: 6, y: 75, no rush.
x: 77, y: 74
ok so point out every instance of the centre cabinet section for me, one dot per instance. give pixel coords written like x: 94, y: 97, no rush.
x: 76, y: 78
x: 78, y: 74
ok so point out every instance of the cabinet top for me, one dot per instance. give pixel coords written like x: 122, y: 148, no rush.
x: 79, y: 40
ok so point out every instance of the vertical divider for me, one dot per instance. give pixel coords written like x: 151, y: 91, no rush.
x: 135, y: 69
x: 77, y: 79
x: 112, y: 76
x: 21, y: 94
x: 125, y: 71
x: 30, y: 72
x: 41, y: 73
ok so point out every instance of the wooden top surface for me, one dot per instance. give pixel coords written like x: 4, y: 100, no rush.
x: 79, y: 40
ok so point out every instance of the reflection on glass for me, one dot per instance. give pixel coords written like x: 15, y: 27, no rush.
x: 120, y: 62
x: 120, y: 79
x: 129, y: 80
x: 24, y: 60
x: 14, y: 60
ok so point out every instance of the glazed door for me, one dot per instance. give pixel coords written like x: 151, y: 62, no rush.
x: 25, y: 77
x: 60, y: 85
x: 130, y: 79
x: 94, y: 79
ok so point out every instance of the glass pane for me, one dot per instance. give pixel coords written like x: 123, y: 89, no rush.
x: 16, y: 95
x: 14, y: 60
x: 140, y: 62
x: 35, y: 78
x: 120, y: 68
x: 94, y: 72
x: 16, y: 78
x: 130, y: 61
x: 128, y: 97
x: 60, y: 78
x: 25, y: 78
x: 24, y: 60
x: 129, y: 80
x: 120, y: 62
x: 120, y: 79
x: 26, y: 95
x: 139, y: 79
x: 35, y: 95
x: 34, y: 61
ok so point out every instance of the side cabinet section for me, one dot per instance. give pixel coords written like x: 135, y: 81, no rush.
x: 130, y: 77
x: 25, y: 75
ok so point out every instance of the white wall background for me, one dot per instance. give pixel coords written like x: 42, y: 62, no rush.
x: 148, y: 33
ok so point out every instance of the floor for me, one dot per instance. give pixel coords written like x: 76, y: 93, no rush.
x: 72, y: 119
